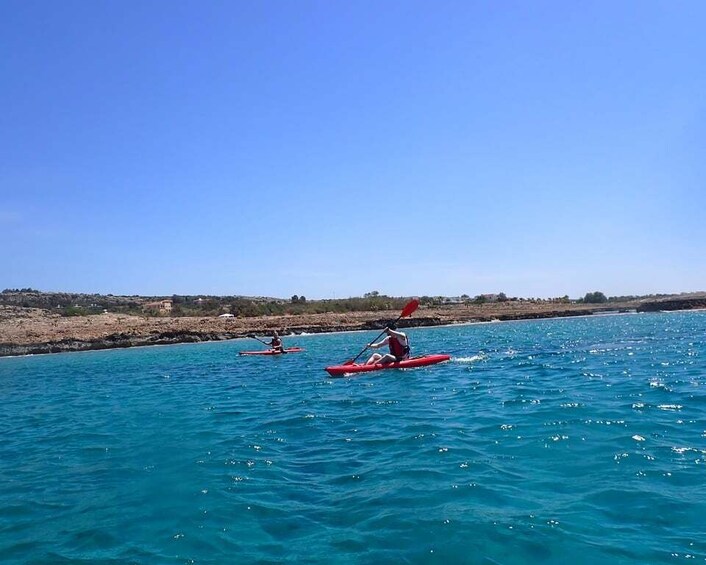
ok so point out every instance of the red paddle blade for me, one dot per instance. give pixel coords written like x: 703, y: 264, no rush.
x: 412, y: 305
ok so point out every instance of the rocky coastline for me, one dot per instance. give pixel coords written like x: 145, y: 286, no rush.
x: 32, y: 331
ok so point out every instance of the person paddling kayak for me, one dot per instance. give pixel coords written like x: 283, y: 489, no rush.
x: 276, y: 343
x: 396, y: 341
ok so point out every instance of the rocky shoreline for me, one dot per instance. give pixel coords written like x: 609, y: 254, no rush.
x: 32, y: 331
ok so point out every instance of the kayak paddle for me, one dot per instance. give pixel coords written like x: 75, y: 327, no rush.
x: 408, y: 310
x: 258, y: 339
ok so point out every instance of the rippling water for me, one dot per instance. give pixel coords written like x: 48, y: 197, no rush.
x: 575, y: 440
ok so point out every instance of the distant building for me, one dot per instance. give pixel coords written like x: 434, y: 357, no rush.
x: 161, y: 307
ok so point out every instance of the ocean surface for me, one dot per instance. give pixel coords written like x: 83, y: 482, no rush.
x: 575, y: 441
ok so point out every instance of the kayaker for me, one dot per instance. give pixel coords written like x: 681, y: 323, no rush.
x: 276, y: 342
x: 396, y: 341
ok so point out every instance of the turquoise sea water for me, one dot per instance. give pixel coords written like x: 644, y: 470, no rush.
x: 574, y: 440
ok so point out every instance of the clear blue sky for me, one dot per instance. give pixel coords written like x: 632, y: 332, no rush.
x: 329, y: 149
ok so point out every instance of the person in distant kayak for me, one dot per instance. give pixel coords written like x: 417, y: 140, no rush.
x: 276, y: 342
x: 396, y: 341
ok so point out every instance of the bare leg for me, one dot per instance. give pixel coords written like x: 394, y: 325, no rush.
x: 374, y: 358
x: 385, y: 359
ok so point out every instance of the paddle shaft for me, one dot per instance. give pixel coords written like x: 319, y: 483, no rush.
x: 258, y: 339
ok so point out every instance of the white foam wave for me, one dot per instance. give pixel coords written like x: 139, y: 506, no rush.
x: 471, y: 359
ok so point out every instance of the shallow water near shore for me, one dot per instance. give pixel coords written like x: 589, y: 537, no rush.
x: 539, y: 442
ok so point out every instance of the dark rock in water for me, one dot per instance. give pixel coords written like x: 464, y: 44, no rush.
x: 689, y: 302
x: 404, y: 323
x: 113, y: 341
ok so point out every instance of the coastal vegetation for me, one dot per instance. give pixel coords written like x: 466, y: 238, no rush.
x: 594, y: 298
x: 78, y: 304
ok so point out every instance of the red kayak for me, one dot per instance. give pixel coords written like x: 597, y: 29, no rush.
x: 273, y: 351
x: 423, y: 361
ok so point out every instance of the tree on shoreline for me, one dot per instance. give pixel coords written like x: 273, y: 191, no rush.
x: 595, y: 298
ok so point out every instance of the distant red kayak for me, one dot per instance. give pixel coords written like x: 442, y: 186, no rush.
x: 423, y: 361
x: 273, y: 351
